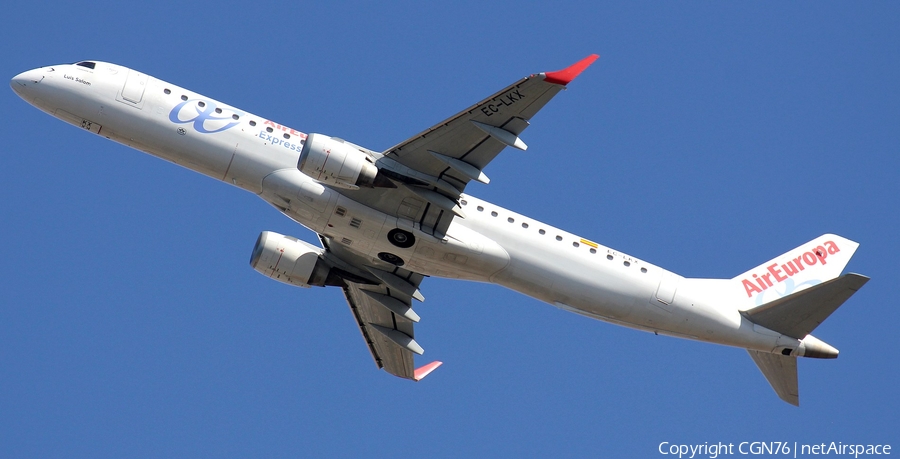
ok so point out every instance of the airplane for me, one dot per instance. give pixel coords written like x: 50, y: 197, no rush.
x: 386, y: 220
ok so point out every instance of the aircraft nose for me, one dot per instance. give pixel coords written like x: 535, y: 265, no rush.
x: 23, y: 83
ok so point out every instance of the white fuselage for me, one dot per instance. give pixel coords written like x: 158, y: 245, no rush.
x: 490, y: 244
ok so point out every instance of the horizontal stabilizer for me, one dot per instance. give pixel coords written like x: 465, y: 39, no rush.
x: 798, y: 314
x: 781, y: 372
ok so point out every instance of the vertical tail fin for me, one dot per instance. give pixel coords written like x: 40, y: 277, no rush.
x: 792, y: 294
x: 817, y: 261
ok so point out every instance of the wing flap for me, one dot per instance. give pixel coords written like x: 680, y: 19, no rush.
x: 377, y: 323
x: 382, y: 308
x: 394, y: 305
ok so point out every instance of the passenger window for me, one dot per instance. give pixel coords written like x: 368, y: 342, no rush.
x: 493, y: 214
x: 252, y: 123
x: 167, y: 91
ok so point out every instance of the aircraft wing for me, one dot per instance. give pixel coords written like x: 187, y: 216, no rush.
x: 388, y: 335
x: 382, y: 308
x: 458, y: 148
x: 432, y: 168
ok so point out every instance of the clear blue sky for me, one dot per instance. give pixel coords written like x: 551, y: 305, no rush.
x: 708, y: 138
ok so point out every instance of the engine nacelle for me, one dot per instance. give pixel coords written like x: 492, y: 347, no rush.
x: 336, y: 163
x: 289, y: 260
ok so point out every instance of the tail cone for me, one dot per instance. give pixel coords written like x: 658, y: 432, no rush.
x: 815, y: 348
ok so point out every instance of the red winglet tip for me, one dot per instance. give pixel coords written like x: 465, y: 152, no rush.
x: 424, y: 370
x: 566, y: 75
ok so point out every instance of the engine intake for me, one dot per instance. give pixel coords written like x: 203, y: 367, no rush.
x: 290, y: 260
x: 335, y: 163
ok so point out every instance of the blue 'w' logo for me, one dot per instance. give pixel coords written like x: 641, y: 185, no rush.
x: 204, y: 116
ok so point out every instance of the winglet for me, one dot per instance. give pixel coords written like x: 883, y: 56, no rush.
x: 565, y: 76
x: 424, y: 370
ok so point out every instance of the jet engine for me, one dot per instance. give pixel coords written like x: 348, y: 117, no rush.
x: 290, y: 260
x: 335, y: 163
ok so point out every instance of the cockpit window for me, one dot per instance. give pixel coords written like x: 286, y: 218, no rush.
x: 87, y: 64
